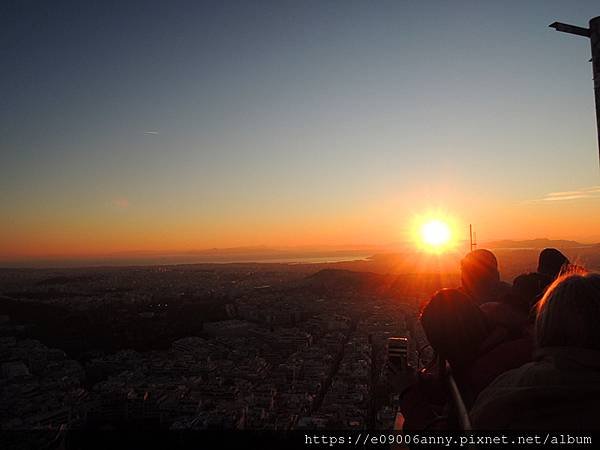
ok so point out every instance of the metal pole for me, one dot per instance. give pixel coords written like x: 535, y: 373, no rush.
x: 595, y: 42
x: 470, y: 237
x: 593, y: 33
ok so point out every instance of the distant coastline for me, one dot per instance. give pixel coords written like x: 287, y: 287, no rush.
x: 273, y: 255
x: 51, y: 263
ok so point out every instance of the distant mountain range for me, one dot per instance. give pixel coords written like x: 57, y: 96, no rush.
x: 535, y: 243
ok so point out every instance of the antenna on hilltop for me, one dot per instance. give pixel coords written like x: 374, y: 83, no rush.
x: 472, y: 238
x: 593, y: 33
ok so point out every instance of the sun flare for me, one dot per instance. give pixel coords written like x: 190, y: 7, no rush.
x: 434, y: 233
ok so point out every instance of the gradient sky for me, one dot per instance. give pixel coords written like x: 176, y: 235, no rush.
x: 186, y: 125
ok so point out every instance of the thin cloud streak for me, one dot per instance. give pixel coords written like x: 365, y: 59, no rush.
x: 151, y: 133
x: 588, y: 192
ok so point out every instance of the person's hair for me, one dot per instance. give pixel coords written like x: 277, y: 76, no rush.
x: 569, y: 313
x: 454, y: 325
x: 479, y: 272
x: 551, y: 262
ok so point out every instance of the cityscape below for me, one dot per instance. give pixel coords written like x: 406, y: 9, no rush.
x: 241, y: 346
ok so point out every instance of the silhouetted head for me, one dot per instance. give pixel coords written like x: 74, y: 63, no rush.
x: 479, y: 274
x: 454, y: 325
x: 527, y: 289
x: 551, y: 262
x: 569, y: 313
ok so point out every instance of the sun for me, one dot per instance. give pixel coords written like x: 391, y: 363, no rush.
x: 434, y: 232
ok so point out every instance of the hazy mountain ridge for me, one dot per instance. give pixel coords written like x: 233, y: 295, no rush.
x: 538, y: 243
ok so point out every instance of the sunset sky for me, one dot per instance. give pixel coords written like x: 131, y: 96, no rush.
x: 187, y: 125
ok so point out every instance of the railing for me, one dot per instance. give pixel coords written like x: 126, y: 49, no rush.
x: 455, y: 397
x: 445, y: 373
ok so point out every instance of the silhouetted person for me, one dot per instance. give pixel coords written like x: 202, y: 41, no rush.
x: 454, y: 326
x: 527, y: 290
x: 514, y: 310
x: 477, y: 348
x: 478, y: 352
x: 550, y: 263
x: 480, y: 278
x: 560, y: 389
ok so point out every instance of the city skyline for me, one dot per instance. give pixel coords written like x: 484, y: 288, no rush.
x: 184, y: 126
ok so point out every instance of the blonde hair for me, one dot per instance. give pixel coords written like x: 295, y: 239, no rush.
x: 568, y: 315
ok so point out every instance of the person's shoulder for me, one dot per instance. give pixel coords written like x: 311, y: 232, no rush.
x: 502, y: 398
x: 517, y: 377
x: 531, y: 375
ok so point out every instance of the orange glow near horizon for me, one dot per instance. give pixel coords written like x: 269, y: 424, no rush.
x: 390, y: 222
